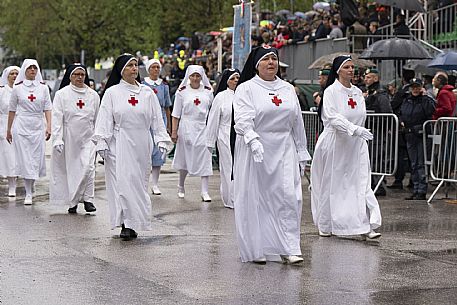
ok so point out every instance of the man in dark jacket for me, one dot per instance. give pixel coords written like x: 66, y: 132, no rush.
x: 402, y: 156
x: 377, y: 101
x: 415, y: 110
x: 445, y: 99
x: 400, y: 27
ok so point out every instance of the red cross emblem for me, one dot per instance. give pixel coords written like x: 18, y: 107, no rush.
x: 80, y: 104
x: 276, y: 100
x: 133, y: 101
x: 197, y: 101
x: 155, y: 90
x: 31, y: 97
x: 352, y: 103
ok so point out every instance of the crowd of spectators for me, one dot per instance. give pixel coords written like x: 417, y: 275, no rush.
x: 284, y: 28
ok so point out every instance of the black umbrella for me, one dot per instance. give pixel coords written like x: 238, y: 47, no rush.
x: 410, y: 5
x: 395, y: 48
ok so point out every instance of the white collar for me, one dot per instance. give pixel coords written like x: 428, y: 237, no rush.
x: 79, y: 90
x: 29, y: 83
x: 270, y: 85
x: 149, y: 81
x: 133, y: 88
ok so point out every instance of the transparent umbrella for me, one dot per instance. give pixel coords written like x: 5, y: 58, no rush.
x: 395, y: 48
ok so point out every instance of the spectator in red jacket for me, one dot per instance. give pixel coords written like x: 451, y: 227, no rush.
x: 445, y: 99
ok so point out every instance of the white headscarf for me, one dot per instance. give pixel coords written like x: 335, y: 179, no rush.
x: 27, y: 63
x: 191, y: 69
x: 147, y: 79
x: 6, y: 73
x: 153, y: 61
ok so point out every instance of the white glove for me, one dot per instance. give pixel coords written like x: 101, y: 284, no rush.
x: 103, y: 153
x: 363, y: 133
x: 257, y: 150
x: 59, y: 148
x: 302, y: 165
x: 163, y: 149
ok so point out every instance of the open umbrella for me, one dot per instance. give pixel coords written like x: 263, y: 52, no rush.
x: 300, y: 15
x: 445, y: 61
x: 283, y: 12
x: 321, y: 6
x: 395, y: 48
x: 420, y: 66
x: 325, y: 60
x: 410, y: 5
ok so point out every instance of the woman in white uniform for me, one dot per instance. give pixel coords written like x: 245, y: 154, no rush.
x: 128, y: 111
x: 7, y: 160
x: 218, y: 129
x: 162, y: 92
x: 26, y: 129
x: 342, y: 201
x: 190, y: 111
x: 269, y: 157
x: 74, y: 111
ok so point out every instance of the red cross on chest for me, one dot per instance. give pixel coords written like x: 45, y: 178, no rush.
x: 31, y: 97
x: 133, y: 101
x: 80, y: 104
x: 276, y: 100
x: 352, y: 103
x: 197, y: 101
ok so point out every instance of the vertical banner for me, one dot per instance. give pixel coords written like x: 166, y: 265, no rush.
x: 241, y: 42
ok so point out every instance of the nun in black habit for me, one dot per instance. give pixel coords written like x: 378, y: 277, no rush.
x: 270, y: 149
x: 342, y: 202
x: 218, y: 129
x: 129, y: 110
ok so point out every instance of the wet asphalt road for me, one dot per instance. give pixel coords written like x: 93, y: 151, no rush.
x: 190, y: 257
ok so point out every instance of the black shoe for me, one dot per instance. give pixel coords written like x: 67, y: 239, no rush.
x: 421, y: 197
x: 73, y: 210
x: 89, y: 206
x: 127, y: 233
x: 396, y: 186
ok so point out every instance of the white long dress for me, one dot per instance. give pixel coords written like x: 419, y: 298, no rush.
x: 74, y: 111
x: 218, y: 129
x: 7, y: 159
x: 268, y: 195
x: 191, y: 106
x: 342, y: 201
x: 127, y: 113
x: 29, y: 99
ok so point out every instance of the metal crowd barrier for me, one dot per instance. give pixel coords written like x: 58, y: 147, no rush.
x: 426, y: 137
x: 383, y: 149
x: 443, y: 165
